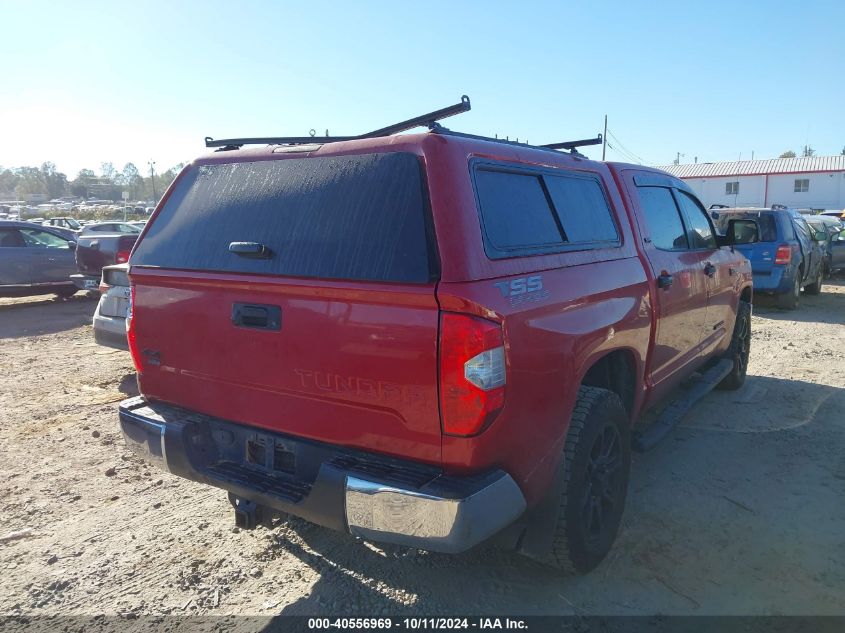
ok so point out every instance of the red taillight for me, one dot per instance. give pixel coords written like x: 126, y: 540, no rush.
x: 130, y: 331
x: 122, y: 257
x: 472, y: 373
x: 783, y: 255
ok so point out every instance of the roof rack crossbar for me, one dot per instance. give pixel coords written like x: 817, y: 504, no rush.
x: 573, y: 144
x: 424, y: 120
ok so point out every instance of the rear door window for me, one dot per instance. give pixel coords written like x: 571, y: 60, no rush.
x: 765, y: 222
x: 357, y: 217
x: 700, y: 230
x: 43, y: 239
x: 665, y: 227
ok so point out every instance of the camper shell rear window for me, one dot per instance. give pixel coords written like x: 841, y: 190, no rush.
x: 357, y: 217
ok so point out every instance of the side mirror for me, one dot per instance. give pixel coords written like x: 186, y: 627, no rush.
x: 742, y: 232
x: 820, y: 236
x: 71, y: 245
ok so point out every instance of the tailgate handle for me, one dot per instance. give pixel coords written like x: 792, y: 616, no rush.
x: 250, y: 249
x: 259, y: 317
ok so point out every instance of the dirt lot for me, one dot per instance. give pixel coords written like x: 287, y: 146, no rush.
x: 740, y: 511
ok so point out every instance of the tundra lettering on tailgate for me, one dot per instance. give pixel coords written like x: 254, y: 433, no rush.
x: 364, y: 388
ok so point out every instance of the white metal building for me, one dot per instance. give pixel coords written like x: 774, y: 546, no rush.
x: 816, y: 182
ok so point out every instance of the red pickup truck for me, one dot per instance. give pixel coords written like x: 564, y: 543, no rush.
x: 427, y: 339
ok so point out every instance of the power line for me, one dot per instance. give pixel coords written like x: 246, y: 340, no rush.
x: 621, y: 145
x: 627, y: 155
x: 620, y: 153
x: 625, y: 150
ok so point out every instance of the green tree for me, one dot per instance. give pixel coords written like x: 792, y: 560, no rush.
x: 132, y: 181
x: 8, y: 183
x: 79, y: 185
x: 55, y: 180
x: 787, y: 154
x: 108, y: 171
x: 32, y: 182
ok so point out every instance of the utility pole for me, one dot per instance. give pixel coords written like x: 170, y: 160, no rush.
x: 678, y: 158
x: 604, y: 138
x: 152, y: 163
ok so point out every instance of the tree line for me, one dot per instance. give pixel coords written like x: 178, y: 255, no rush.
x: 21, y: 183
x: 806, y: 152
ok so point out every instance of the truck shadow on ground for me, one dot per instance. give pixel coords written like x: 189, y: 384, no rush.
x: 25, y: 317
x: 747, y: 474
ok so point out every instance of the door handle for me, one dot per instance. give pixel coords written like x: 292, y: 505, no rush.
x: 709, y: 269
x: 252, y: 250
x: 258, y: 317
x: 665, y: 280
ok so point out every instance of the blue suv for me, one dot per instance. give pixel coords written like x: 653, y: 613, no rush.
x: 788, y: 256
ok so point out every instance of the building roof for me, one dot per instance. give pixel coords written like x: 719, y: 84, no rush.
x: 758, y: 167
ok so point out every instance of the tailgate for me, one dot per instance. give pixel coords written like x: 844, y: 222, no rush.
x: 760, y: 254
x: 332, y: 336
x: 90, y: 259
x: 95, y: 251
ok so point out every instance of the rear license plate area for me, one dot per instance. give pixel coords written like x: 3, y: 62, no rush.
x: 269, y: 454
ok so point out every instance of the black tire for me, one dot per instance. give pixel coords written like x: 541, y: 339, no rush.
x: 789, y: 300
x: 740, y: 348
x: 597, y: 459
x: 815, y: 287
x: 65, y: 293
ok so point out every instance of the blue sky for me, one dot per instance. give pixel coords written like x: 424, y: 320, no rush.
x: 88, y: 82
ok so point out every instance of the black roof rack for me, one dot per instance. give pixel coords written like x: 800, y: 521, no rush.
x: 571, y: 145
x: 424, y: 120
x: 429, y: 120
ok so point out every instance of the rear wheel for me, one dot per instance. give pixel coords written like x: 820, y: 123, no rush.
x: 789, y: 300
x: 740, y: 348
x: 64, y: 293
x: 815, y: 287
x: 597, y: 463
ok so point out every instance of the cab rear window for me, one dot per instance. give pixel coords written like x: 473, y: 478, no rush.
x: 359, y: 217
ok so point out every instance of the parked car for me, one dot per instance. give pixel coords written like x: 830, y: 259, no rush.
x: 109, y: 227
x: 427, y: 340
x: 834, y: 255
x: 789, y: 256
x: 110, y: 315
x: 834, y: 214
x: 64, y: 223
x: 34, y: 260
x: 96, y: 250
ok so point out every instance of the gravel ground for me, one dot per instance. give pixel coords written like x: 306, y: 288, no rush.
x: 740, y: 511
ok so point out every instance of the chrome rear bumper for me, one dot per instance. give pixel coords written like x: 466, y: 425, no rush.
x: 367, y: 495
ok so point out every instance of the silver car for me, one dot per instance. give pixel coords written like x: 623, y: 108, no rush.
x: 35, y: 260
x: 110, y: 315
x: 109, y: 227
